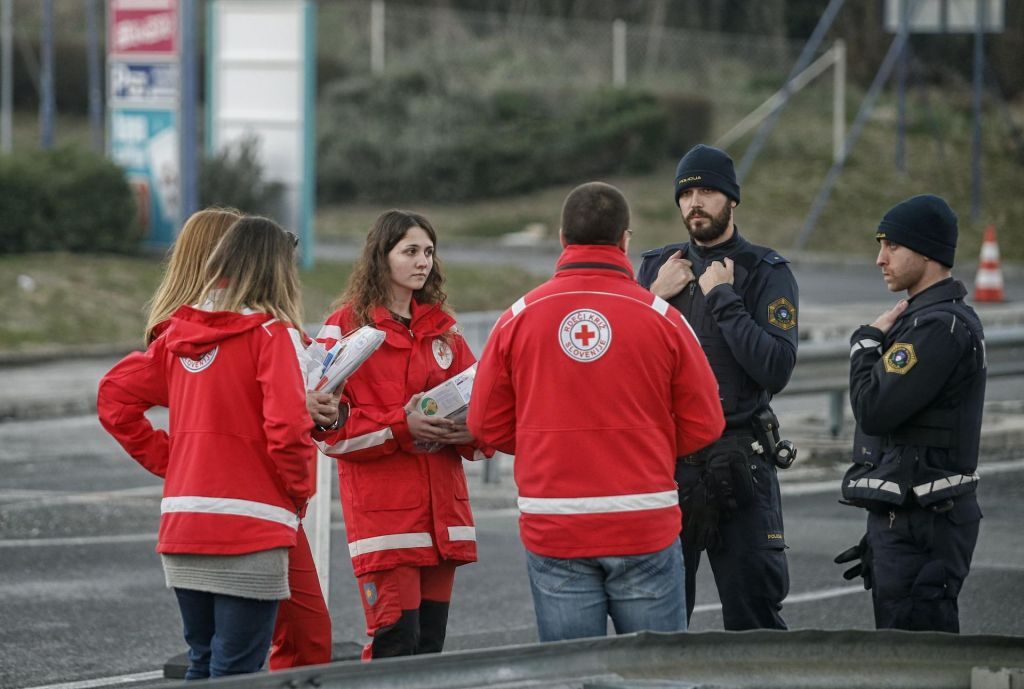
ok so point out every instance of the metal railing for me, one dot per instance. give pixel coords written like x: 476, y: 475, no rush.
x: 822, y: 368
x: 765, y: 659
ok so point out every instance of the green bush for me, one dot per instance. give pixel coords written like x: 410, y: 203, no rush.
x: 66, y: 199
x: 233, y: 178
x: 409, y: 137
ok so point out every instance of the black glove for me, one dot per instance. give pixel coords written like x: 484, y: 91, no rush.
x: 700, y: 518
x: 862, y: 552
x: 728, y: 475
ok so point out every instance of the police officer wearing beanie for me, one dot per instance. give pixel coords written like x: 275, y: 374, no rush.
x: 917, y: 387
x: 741, y: 300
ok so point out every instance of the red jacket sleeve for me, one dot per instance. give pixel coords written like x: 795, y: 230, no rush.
x: 132, y: 386
x: 367, y: 434
x: 286, y: 421
x: 696, y: 405
x: 492, y: 409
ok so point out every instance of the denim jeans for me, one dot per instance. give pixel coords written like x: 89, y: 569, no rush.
x: 226, y: 635
x: 573, y: 597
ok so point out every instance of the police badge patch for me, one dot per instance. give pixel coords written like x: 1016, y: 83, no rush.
x: 900, y: 358
x: 782, y: 314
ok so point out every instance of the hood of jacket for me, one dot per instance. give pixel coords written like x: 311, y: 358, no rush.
x: 193, y: 332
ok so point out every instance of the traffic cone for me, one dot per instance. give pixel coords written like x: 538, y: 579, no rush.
x: 988, y: 283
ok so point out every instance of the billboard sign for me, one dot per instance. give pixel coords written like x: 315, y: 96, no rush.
x: 945, y: 16
x: 144, y: 142
x: 143, y: 27
x: 154, y: 82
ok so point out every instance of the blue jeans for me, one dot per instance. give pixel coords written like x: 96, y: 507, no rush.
x: 573, y: 597
x: 226, y: 635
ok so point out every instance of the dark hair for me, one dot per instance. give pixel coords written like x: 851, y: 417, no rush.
x: 595, y: 213
x: 369, y: 285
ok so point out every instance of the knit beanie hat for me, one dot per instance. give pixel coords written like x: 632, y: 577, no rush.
x: 705, y: 166
x: 925, y: 224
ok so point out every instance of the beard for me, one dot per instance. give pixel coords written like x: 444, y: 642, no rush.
x: 713, y: 230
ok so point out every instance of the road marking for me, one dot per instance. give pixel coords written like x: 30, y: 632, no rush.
x: 809, y: 597
x: 105, y: 681
x: 77, y: 540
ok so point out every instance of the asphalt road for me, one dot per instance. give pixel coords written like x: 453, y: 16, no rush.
x: 82, y: 592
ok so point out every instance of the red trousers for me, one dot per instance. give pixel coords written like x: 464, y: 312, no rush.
x: 406, y: 609
x: 302, y: 634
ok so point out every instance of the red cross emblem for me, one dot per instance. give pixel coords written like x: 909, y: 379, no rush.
x: 585, y: 335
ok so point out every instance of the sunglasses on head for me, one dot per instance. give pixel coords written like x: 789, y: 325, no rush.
x: 292, y: 236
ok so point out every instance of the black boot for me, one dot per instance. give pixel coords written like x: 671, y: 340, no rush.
x: 400, y: 638
x: 433, y: 626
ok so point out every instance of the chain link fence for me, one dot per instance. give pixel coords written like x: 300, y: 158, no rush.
x: 492, y: 50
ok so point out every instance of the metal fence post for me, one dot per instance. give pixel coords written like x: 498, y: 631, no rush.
x: 377, y: 36
x: 47, y: 100
x: 619, y: 53
x: 6, y: 74
x: 838, y: 98
x: 95, y: 75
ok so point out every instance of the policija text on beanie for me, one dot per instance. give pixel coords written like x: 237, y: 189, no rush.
x: 705, y: 166
x: 925, y: 224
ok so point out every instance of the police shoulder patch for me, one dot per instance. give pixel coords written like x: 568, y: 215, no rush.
x: 782, y: 313
x: 900, y: 358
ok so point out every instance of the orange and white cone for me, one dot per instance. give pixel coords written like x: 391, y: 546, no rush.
x: 988, y: 283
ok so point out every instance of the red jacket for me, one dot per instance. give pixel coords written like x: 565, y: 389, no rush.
x: 596, y: 386
x: 402, y: 506
x: 238, y: 463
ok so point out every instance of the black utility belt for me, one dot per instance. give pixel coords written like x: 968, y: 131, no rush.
x: 700, y: 457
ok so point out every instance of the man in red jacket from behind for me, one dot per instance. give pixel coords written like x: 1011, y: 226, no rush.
x: 596, y: 386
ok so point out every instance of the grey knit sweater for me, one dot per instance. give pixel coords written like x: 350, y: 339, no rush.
x: 261, y: 575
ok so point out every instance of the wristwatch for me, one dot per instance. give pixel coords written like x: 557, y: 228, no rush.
x: 342, y: 417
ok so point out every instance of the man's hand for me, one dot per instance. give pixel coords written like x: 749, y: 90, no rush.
x: 886, y: 320
x: 864, y: 568
x: 673, y: 276
x: 323, y: 407
x: 459, y: 435
x: 717, y: 273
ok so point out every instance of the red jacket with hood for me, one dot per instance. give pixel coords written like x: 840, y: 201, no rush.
x: 238, y: 462
x: 402, y: 506
x: 596, y: 386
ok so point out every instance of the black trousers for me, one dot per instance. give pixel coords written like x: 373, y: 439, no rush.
x: 749, y: 565
x: 921, y: 559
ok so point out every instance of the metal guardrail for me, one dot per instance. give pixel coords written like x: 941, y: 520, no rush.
x: 852, y: 659
x: 822, y: 368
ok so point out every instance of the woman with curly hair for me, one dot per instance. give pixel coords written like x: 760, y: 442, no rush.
x: 403, y: 490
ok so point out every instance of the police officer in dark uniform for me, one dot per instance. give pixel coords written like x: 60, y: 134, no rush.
x: 741, y: 300
x: 917, y: 386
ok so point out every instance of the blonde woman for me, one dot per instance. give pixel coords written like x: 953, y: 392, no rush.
x: 237, y: 461
x: 302, y: 635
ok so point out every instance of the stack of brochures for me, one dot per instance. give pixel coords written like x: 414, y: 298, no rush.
x: 327, y: 369
x: 450, y: 399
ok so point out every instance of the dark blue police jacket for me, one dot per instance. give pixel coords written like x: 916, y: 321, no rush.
x: 748, y: 329
x: 917, y: 394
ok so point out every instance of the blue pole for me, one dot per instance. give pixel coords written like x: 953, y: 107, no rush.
x: 95, y: 76
x: 979, y: 65
x: 308, y: 193
x: 47, y: 104
x: 851, y: 137
x: 189, y: 116
x: 901, y: 94
x: 806, y: 55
